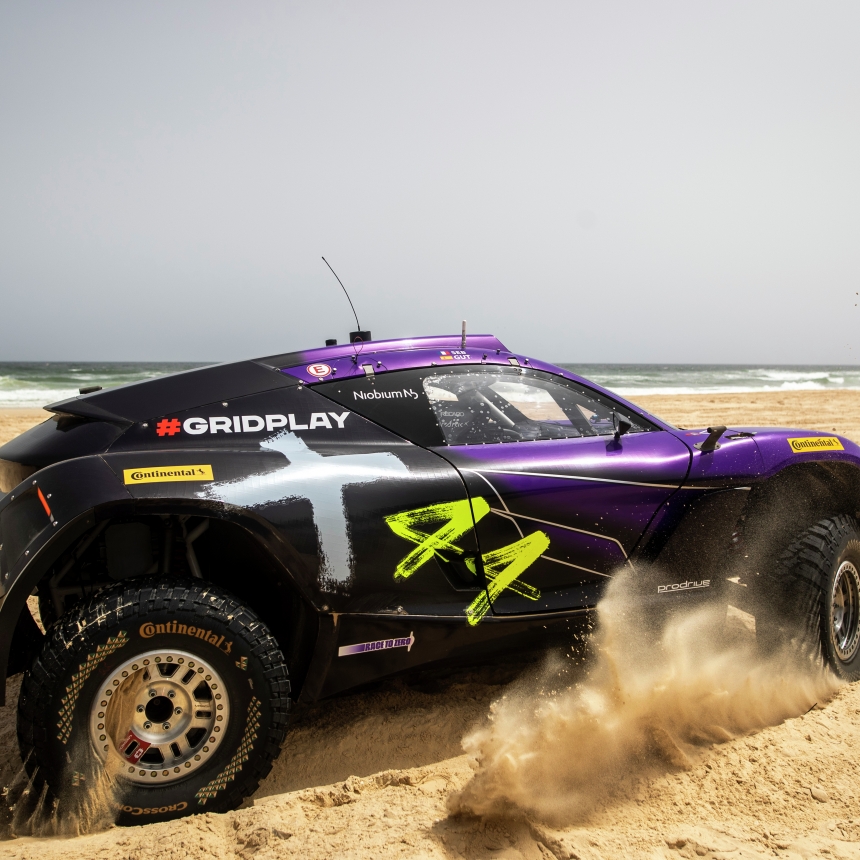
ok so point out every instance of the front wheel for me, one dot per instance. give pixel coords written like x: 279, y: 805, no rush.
x: 814, y: 597
x: 172, y: 693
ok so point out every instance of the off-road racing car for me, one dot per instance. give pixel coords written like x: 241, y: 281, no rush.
x: 357, y: 511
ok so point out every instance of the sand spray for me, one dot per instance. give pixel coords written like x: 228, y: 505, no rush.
x: 90, y: 794
x: 561, y: 744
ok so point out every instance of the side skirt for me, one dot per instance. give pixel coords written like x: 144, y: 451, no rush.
x: 358, y: 649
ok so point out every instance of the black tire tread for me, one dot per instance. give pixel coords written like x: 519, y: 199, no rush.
x: 119, y: 604
x: 797, y: 582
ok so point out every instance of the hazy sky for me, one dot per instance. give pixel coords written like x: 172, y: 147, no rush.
x: 635, y: 182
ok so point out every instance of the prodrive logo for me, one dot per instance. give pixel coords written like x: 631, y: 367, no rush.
x: 683, y: 586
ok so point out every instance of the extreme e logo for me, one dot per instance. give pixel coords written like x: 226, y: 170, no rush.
x: 250, y: 423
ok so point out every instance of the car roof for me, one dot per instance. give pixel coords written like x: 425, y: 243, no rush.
x: 325, y: 354
x: 164, y: 395
x: 348, y: 360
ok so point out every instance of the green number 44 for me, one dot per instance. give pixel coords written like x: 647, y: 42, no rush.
x: 502, y: 567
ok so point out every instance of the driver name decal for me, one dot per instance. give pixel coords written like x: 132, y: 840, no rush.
x: 814, y: 443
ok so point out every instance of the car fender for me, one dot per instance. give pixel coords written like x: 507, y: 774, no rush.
x: 49, y: 511
x: 783, y: 447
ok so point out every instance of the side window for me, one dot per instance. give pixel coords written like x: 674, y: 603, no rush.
x: 472, y: 405
x: 496, y: 405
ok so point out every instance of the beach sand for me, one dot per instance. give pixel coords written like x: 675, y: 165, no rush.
x: 828, y: 411
x: 15, y: 421
x: 369, y: 776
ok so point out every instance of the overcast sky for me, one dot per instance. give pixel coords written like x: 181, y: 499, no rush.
x: 631, y: 182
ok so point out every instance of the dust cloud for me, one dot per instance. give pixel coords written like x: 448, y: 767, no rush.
x: 91, y: 792
x: 87, y: 805
x: 646, y: 702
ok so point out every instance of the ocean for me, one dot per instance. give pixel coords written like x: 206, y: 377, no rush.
x: 35, y: 384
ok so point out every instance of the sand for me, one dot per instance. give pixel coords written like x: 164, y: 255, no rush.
x: 828, y: 411
x: 15, y: 421
x: 375, y: 774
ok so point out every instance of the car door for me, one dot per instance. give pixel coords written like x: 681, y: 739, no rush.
x: 558, y: 503
x: 566, y: 499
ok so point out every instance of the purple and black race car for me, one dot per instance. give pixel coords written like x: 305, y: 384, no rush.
x: 358, y: 511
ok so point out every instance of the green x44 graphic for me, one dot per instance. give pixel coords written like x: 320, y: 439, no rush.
x: 502, y: 567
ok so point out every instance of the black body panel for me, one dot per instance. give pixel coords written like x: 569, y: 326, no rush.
x: 433, y: 641
x: 141, y: 400
x: 61, y: 437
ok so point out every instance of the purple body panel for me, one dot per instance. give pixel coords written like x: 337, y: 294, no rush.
x: 592, y: 497
x: 776, y: 453
x: 736, y: 461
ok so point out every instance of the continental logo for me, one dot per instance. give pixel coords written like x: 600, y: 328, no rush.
x: 155, y: 810
x: 164, y: 474
x: 148, y: 630
x: 815, y: 443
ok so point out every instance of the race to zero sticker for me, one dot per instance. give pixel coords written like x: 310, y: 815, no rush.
x: 251, y: 423
x: 815, y: 443
x: 380, y: 645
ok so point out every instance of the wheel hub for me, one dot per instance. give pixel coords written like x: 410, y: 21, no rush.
x: 160, y: 716
x: 845, y: 611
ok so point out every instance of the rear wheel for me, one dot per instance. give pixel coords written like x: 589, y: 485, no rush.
x: 813, y: 594
x: 172, y: 694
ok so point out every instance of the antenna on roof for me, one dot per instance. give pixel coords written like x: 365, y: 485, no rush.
x: 463, y: 337
x: 354, y: 336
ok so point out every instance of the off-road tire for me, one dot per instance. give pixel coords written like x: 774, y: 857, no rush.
x: 810, y: 598
x: 123, y: 630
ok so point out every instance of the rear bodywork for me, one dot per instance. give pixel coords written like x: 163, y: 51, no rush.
x: 368, y: 547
